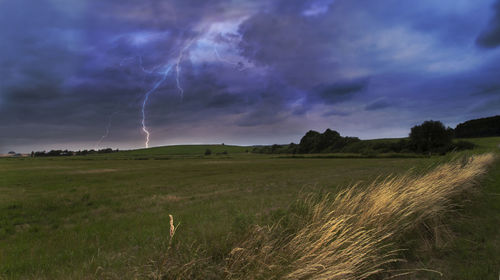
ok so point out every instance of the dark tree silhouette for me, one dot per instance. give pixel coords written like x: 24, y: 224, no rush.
x: 431, y: 137
x: 310, y: 142
x: 329, y: 141
x: 485, y: 127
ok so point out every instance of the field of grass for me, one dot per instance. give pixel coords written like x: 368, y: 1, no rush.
x: 106, y: 216
x: 358, y: 232
x: 183, y: 150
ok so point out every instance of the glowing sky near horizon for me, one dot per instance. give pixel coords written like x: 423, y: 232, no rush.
x: 251, y: 72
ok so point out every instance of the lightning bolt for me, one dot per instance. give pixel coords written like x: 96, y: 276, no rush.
x: 106, y: 133
x: 146, y: 98
x: 153, y: 71
x: 167, y: 68
x: 164, y: 76
x: 238, y: 65
x: 178, y: 67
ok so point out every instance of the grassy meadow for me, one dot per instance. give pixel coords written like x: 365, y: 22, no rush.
x: 106, y: 216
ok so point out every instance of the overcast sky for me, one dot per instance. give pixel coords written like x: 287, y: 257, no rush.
x: 76, y: 73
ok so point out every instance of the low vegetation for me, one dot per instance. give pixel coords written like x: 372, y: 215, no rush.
x: 106, y: 216
x: 430, y: 137
x: 352, y: 235
x: 484, y: 127
x: 59, y: 153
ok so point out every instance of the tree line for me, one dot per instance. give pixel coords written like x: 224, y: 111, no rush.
x: 60, y: 153
x: 430, y: 137
x: 485, y: 127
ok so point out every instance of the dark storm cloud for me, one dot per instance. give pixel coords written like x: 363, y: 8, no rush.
x: 70, y: 67
x: 450, y: 22
x: 224, y: 100
x: 377, y: 105
x: 488, y: 89
x: 490, y: 37
x: 290, y: 44
x: 270, y: 107
x: 338, y: 92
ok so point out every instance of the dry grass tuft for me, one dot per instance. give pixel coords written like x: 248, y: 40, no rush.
x: 175, y: 260
x: 353, y: 235
x: 172, y: 227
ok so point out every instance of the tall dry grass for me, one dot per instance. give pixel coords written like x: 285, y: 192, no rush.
x: 354, y: 234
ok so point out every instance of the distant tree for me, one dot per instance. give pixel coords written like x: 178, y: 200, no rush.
x: 485, y: 127
x: 275, y: 148
x: 341, y: 143
x: 329, y: 139
x: 105, y: 151
x: 310, y: 142
x: 208, y: 152
x: 40, y: 154
x: 430, y: 137
x: 292, y: 148
x: 54, y: 153
x: 400, y: 146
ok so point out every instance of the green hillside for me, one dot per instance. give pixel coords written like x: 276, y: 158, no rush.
x: 178, y: 151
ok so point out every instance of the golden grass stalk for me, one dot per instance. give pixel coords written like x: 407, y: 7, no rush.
x: 353, y: 235
x: 172, y: 227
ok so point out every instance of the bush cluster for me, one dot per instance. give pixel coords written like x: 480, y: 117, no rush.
x: 485, y: 127
x: 59, y: 153
x: 430, y: 137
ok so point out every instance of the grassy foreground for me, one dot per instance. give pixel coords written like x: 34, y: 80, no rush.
x: 107, y: 216
x: 355, y: 234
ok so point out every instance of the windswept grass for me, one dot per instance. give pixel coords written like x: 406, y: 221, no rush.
x: 64, y: 218
x: 106, y: 217
x: 354, y: 234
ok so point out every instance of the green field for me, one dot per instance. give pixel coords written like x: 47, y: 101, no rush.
x: 106, y: 216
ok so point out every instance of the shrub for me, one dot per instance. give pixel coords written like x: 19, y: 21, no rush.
x: 329, y: 141
x: 310, y: 142
x: 431, y: 137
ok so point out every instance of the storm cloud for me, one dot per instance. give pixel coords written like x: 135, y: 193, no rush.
x: 243, y: 72
x: 490, y: 37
